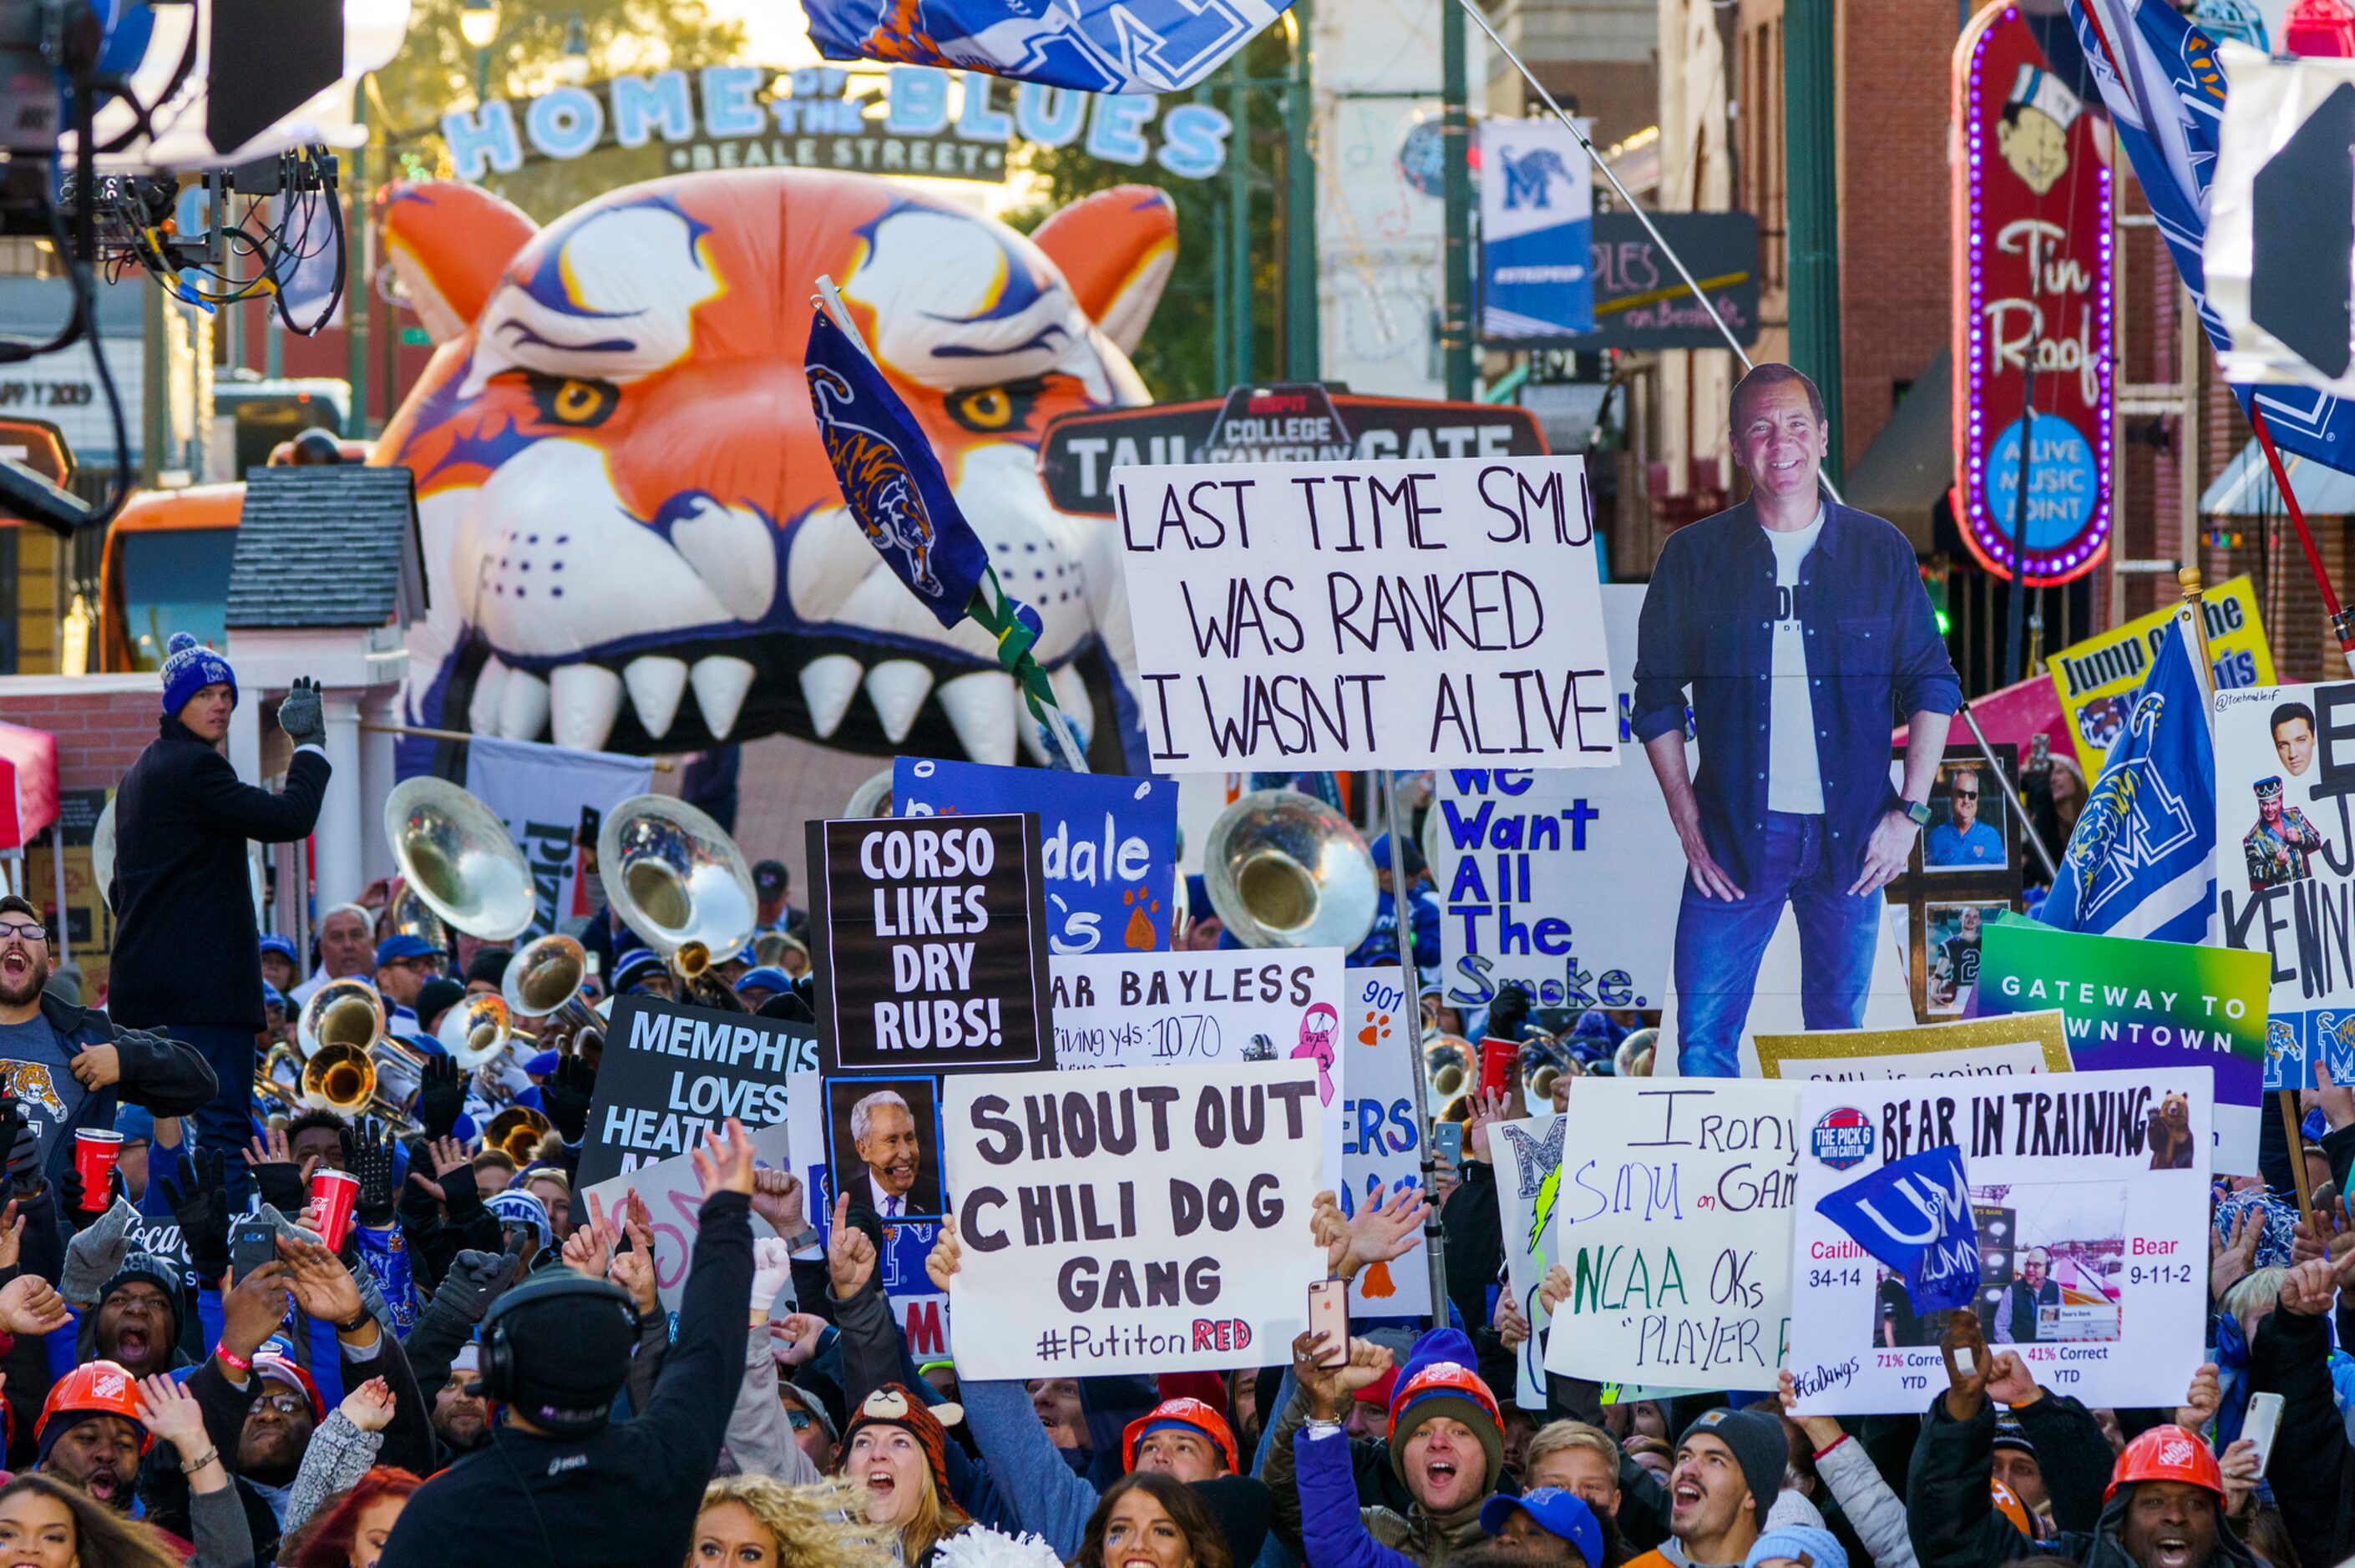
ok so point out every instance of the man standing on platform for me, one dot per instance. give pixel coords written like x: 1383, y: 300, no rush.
x: 187, y: 955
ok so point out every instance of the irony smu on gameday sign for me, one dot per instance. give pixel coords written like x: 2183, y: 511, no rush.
x: 2032, y: 291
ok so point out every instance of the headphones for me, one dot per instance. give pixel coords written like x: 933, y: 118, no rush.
x: 496, y: 1370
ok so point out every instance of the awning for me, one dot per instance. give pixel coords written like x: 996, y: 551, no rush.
x: 2246, y: 488
x: 28, y: 783
x: 1910, y: 465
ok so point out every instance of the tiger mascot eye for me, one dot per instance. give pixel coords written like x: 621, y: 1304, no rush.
x: 624, y: 502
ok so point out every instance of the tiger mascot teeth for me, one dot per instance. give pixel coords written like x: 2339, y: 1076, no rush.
x: 624, y: 500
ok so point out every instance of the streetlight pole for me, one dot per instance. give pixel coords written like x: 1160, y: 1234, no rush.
x: 1302, y: 350
x: 1456, y: 254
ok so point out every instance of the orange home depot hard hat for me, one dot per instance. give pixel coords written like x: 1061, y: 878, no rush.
x: 2167, y: 1453
x: 96, y: 1388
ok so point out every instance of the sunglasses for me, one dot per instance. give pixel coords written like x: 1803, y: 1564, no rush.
x: 1967, y: 794
x: 286, y: 1404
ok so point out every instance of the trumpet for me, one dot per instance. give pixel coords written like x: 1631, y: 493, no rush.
x: 1447, y: 1062
x: 268, y: 1082
x: 1285, y: 870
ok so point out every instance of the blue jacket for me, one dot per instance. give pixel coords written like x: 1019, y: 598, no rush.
x: 1380, y: 946
x: 1874, y: 657
x: 159, y: 1074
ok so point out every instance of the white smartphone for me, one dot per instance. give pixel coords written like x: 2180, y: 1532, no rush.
x: 1328, y: 1314
x: 2263, y: 1421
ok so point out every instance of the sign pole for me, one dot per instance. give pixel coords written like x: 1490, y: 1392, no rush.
x: 2342, y: 626
x: 2016, y: 605
x: 1434, y: 1232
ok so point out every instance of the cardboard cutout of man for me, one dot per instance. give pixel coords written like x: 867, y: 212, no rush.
x: 1800, y: 632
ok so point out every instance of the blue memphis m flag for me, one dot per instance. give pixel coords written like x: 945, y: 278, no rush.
x: 1096, y: 46
x: 892, y: 483
x: 1537, y: 225
x: 2142, y: 861
x: 1915, y: 1216
x: 2165, y: 92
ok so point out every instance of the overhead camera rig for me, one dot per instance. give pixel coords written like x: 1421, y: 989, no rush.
x: 67, y: 64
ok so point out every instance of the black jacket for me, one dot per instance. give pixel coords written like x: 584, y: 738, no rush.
x: 186, y: 950
x: 160, y: 1074
x: 2313, y: 1467
x: 627, y: 1495
x: 1950, y: 1514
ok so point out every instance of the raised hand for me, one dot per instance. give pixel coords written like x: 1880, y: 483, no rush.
x: 2009, y: 1383
x: 1512, y: 1327
x: 1492, y: 1106
x: 370, y: 1406
x: 2243, y: 1471
x: 275, y: 1173
x: 772, y: 1266
x: 446, y: 1155
x: 1329, y: 1231
x: 1554, y: 1288
x: 777, y: 1198
x: 634, y: 1272
x: 941, y: 1265
x: 372, y: 1165
x: 1963, y: 1346
x: 725, y: 1165
x: 440, y: 1096
x: 1328, y: 1390
x: 254, y: 1309
x: 2201, y: 1402
x: 323, y: 1286
x: 2336, y: 1100
x: 1822, y: 1430
x: 794, y: 1340
x: 1387, y: 1227
x: 169, y: 1411
x: 849, y: 1253
x: 2234, y: 1250
x: 11, y: 1236
x: 29, y: 1305
x: 567, y: 1096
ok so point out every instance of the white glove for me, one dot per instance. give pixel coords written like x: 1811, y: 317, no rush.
x: 773, y: 1269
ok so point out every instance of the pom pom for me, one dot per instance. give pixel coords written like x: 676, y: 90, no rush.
x: 979, y: 1547
x: 179, y: 643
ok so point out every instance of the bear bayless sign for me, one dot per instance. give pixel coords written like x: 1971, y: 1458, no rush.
x: 930, y: 945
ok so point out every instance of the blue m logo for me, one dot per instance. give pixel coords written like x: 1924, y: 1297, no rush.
x: 1530, y: 177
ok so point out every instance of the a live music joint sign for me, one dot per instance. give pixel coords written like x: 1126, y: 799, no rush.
x: 2033, y: 309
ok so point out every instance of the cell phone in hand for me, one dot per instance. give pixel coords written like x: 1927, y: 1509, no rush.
x: 1328, y: 1314
x: 1447, y: 1138
x: 2263, y: 1420
x: 252, y: 1241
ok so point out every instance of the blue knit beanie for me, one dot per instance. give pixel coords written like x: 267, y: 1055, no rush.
x: 189, y: 669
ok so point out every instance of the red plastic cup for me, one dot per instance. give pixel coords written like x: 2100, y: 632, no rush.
x: 333, y: 1195
x: 95, y: 1153
x: 1497, y: 1060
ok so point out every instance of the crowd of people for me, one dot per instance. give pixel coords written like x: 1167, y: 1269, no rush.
x: 482, y: 1369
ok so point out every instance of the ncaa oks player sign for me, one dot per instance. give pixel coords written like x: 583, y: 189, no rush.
x: 1368, y: 614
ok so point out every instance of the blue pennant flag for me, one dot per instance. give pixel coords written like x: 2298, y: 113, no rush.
x: 1096, y: 46
x: 2142, y: 861
x: 1915, y: 1216
x: 2165, y: 92
x: 890, y: 478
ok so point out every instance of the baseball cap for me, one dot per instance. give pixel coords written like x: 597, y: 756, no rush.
x: 770, y: 878
x: 1558, y: 1512
x: 402, y: 945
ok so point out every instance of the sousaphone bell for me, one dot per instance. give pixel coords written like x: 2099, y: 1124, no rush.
x: 674, y: 876
x: 459, y: 859
x: 1285, y: 870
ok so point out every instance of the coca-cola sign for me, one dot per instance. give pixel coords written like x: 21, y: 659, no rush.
x: 2033, y: 315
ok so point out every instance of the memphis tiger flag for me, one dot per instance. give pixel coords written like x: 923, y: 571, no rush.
x: 1095, y: 46
x: 2164, y: 89
x: 892, y: 483
x: 1915, y: 1216
x: 2142, y: 861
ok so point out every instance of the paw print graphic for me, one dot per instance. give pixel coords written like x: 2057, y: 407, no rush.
x: 1377, y: 1030
x: 1142, y: 934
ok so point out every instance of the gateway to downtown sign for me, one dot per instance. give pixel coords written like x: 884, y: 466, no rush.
x: 943, y: 124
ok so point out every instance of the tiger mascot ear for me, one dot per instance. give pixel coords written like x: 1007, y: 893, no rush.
x: 450, y: 242
x: 1115, y: 250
